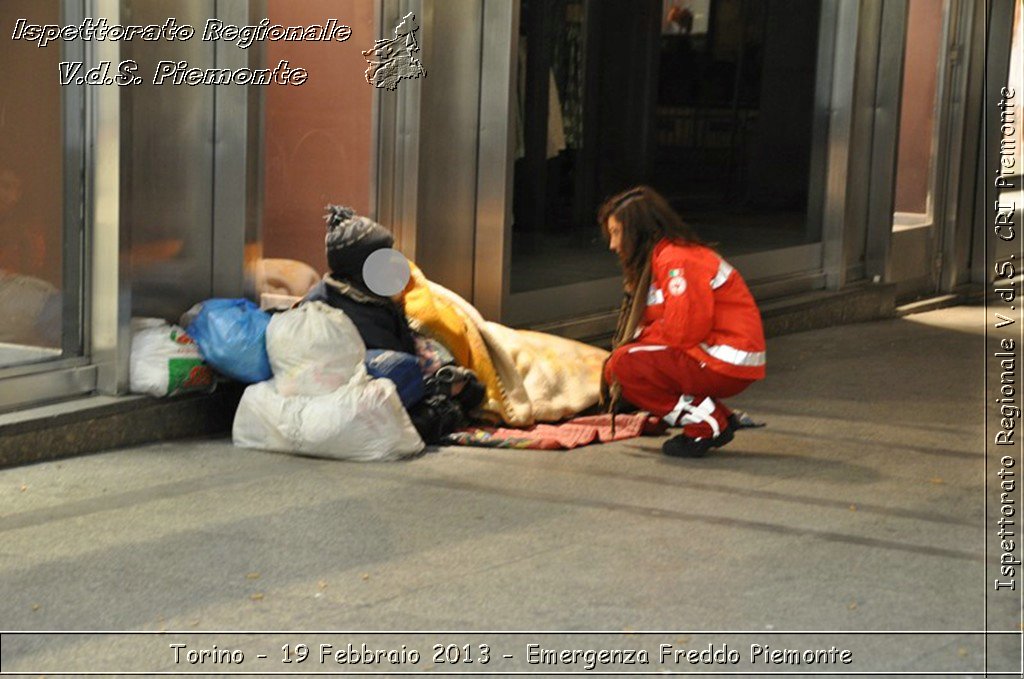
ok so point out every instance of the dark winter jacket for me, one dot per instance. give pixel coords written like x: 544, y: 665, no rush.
x: 350, y: 240
x: 379, y: 321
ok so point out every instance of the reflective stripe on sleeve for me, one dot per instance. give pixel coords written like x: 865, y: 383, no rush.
x: 727, y: 354
x: 724, y: 271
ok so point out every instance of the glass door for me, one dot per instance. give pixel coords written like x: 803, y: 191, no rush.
x: 41, y: 222
x: 735, y: 120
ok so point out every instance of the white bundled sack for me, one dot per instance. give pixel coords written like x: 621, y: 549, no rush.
x: 321, y: 401
x: 363, y: 420
x: 313, y: 350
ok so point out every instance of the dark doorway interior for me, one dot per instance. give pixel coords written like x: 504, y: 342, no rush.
x: 709, y: 101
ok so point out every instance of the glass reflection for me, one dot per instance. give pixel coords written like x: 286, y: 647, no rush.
x: 31, y: 191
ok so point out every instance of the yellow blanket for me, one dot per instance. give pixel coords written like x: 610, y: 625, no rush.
x: 530, y: 376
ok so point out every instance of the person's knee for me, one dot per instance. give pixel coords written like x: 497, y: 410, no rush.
x: 613, y: 367
x: 624, y: 367
x: 728, y: 387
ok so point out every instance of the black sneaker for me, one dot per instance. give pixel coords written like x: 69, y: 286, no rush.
x: 684, y: 446
x: 435, y: 417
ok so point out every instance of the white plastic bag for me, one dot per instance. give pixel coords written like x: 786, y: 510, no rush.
x: 363, y: 420
x: 165, y: 361
x: 314, y: 349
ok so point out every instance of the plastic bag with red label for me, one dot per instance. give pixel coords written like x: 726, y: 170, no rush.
x: 165, y: 361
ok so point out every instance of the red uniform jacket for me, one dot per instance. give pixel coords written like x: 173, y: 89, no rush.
x: 700, y: 304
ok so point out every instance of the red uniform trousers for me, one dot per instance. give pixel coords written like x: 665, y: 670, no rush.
x: 674, y: 386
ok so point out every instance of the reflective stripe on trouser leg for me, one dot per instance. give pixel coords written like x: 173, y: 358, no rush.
x: 702, y: 413
x: 694, y: 414
x: 672, y: 417
x: 646, y: 347
x: 662, y: 379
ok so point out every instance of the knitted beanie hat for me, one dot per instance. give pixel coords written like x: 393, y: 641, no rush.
x: 350, y: 240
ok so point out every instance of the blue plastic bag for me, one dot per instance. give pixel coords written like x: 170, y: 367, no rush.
x: 231, y: 334
x: 402, y: 369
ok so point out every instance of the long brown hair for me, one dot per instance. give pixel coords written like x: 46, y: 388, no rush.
x: 646, y: 218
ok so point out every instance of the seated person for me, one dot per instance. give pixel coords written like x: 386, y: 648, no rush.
x: 437, y: 406
x: 351, y: 239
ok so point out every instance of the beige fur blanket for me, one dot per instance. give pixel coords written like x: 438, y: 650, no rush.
x: 545, y: 378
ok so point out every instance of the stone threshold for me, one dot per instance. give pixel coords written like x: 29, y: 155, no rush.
x: 97, y: 423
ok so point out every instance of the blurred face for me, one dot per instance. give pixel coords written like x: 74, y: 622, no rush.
x: 615, y: 235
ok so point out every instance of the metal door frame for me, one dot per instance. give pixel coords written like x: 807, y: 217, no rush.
x: 397, y: 124
x: 935, y: 241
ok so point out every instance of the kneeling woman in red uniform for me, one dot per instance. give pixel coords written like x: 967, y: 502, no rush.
x: 689, y: 332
